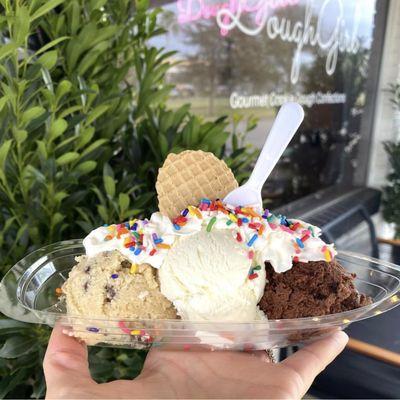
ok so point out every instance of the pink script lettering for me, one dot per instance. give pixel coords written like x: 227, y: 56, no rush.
x: 194, y: 10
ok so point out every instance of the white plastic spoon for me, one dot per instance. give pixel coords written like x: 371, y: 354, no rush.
x: 285, y: 126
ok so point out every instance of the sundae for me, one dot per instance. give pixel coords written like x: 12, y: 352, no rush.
x: 200, y: 259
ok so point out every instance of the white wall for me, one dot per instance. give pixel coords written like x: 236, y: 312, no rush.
x: 384, y: 118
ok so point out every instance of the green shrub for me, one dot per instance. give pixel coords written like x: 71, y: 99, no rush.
x: 84, y: 128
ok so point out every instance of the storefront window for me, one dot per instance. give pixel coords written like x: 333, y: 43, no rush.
x: 247, y: 57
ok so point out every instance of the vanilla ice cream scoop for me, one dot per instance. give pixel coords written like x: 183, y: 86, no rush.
x: 206, y: 276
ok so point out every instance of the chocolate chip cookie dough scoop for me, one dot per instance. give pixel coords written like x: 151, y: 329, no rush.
x: 109, y: 287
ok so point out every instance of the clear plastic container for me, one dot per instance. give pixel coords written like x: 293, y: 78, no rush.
x: 27, y: 293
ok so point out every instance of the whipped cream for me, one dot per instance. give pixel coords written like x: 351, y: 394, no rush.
x: 270, y: 238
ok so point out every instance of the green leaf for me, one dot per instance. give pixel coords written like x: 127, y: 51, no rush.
x: 41, y: 146
x: 6, y: 227
x: 20, y: 135
x: 17, y: 346
x: 92, y: 57
x: 67, y: 158
x: 21, y: 25
x: 132, y: 212
x: 108, y: 171
x: 3, y: 102
x: 56, y: 218
x: 21, y: 231
x: 102, y: 212
x: 123, y: 202
x: 58, y: 127
x: 109, y: 185
x: 51, y: 44
x: 75, y: 12
x: 94, y: 146
x: 97, y: 4
x: 37, y: 122
x: 34, y: 5
x: 32, y: 113
x: 96, y: 113
x: 45, y: 8
x: 36, y: 174
x: 85, y: 136
x: 144, y: 198
x: 8, y: 383
x: 7, y: 49
x: 63, y: 88
x: 33, y: 71
x: 162, y: 140
x: 86, y: 167
x: 70, y: 110
x: 49, y: 59
x: 4, y: 149
x: 60, y: 196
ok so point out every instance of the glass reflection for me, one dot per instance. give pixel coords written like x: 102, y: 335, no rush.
x: 248, y: 57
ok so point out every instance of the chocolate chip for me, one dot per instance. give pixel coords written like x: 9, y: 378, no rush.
x: 110, y: 292
x: 88, y: 268
x: 86, y: 285
x: 319, y: 296
x: 125, y: 264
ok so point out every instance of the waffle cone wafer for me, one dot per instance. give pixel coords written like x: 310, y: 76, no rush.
x: 187, y: 177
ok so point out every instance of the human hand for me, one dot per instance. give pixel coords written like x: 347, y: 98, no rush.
x: 190, y: 374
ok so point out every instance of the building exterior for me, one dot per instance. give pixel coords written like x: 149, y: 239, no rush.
x: 335, y: 57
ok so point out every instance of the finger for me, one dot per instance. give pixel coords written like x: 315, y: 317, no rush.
x: 65, y: 363
x: 265, y: 356
x: 308, y: 362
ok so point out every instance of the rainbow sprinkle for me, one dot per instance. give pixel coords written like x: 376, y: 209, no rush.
x: 328, y: 256
x: 246, y: 223
x: 123, y: 327
x: 252, y: 240
x: 195, y: 211
x: 133, y: 269
x: 213, y: 220
x: 305, y: 237
x: 163, y: 246
x: 232, y: 217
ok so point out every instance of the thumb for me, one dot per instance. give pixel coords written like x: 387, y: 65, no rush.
x: 65, y: 365
x: 308, y: 362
